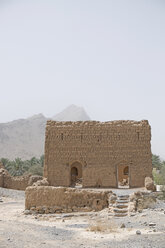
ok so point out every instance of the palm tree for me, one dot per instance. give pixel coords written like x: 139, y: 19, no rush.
x: 33, y: 161
x: 156, y: 162
x: 41, y: 160
x: 4, y: 161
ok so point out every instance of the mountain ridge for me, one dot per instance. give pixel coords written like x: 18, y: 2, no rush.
x: 24, y: 138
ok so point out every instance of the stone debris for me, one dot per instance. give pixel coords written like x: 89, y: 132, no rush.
x: 33, y: 179
x: 142, y: 200
x: 42, y: 182
x: 112, y: 198
x: 27, y: 212
x: 149, y: 184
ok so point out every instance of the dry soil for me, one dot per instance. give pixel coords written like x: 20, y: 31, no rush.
x: 74, y: 230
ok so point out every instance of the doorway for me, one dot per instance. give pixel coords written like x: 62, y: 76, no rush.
x: 76, y: 174
x: 123, y: 176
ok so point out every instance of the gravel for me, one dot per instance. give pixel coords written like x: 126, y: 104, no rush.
x: 11, y: 193
x: 18, y: 230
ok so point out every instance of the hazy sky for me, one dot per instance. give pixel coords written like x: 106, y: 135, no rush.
x: 105, y: 55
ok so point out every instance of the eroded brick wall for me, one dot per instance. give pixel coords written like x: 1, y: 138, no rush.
x: 18, y: 183
x: 47, y: 199
x: 9, y: 182
x: 100, y: 148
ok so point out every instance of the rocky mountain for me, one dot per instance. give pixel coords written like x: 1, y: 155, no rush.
x: 24, y: 138
x: 72, y: 113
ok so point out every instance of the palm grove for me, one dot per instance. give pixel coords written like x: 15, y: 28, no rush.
x: 19, y: 167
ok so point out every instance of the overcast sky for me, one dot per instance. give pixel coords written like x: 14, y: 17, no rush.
x: 105, y: 55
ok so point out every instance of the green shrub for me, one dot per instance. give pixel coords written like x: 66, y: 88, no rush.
x: 159, y: 178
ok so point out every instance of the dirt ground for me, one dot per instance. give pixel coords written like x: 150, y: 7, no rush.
x: 74, y: 230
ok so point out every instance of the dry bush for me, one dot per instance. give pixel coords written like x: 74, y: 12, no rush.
x: 102, y: 225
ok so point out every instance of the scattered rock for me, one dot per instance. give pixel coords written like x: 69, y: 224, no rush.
x: 27, y: 212
x: 32, y: 208
x: 113, y: 199
x: 152, y: 224
x: 70, y: 215
x: 138, y: 232
x: 122, y: 225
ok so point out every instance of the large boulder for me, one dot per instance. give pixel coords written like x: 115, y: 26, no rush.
x: 149, y: 184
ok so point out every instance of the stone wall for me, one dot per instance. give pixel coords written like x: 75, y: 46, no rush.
x: 99, y: 149
x: 48, y: 199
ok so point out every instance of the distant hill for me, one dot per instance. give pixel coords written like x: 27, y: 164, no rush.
x: 24, y: 138
x: 72, y: 113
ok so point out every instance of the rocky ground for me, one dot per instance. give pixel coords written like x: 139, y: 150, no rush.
x: 84, y: 230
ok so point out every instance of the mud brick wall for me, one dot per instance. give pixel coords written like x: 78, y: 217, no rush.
x: 1, y: 180
x: 18, y: 183
x: 48, y: 199
x: 100, y: 148
x: 9, y: 182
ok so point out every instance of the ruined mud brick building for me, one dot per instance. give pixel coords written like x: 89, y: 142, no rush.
x: 100, y: 154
